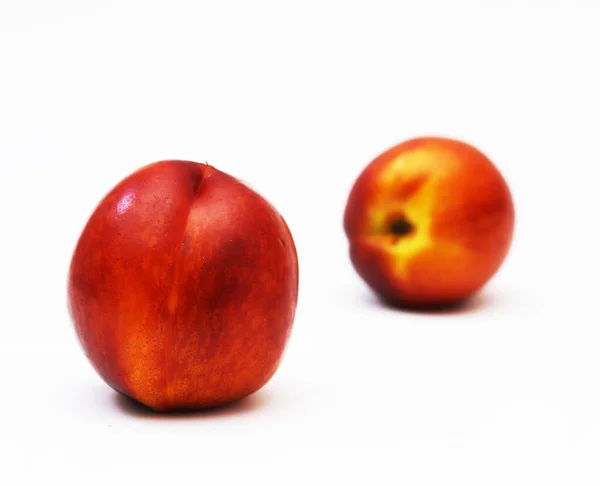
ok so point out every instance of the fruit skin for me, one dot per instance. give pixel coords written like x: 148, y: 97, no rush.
x: 429, y: 222
x: 183, y: 287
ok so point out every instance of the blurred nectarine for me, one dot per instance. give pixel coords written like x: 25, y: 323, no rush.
x: 429, y: 221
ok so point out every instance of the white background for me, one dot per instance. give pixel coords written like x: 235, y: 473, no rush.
x: 296, y: 98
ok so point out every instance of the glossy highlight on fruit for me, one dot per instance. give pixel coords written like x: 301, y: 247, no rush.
x: 183, y: 287
x: 429, y: 222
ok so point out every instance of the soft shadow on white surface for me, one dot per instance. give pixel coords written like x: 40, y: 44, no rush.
x: 246, y: 405
x: 479, y: 302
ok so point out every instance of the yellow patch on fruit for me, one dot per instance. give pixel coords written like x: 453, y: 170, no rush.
x: 407, y: 189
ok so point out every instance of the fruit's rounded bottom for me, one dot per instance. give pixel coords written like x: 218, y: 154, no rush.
x: 134, y: 406
x: 427, y: 306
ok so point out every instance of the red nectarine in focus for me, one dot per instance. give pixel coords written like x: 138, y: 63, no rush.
x: 183, y: 287
x: 429, y: 222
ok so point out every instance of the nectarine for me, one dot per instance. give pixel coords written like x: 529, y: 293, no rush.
x: 429, y: 221
x: 183, y: 287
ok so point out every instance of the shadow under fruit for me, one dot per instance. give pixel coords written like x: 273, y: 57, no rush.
x: 183, y: 287
x: 429, y: 222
